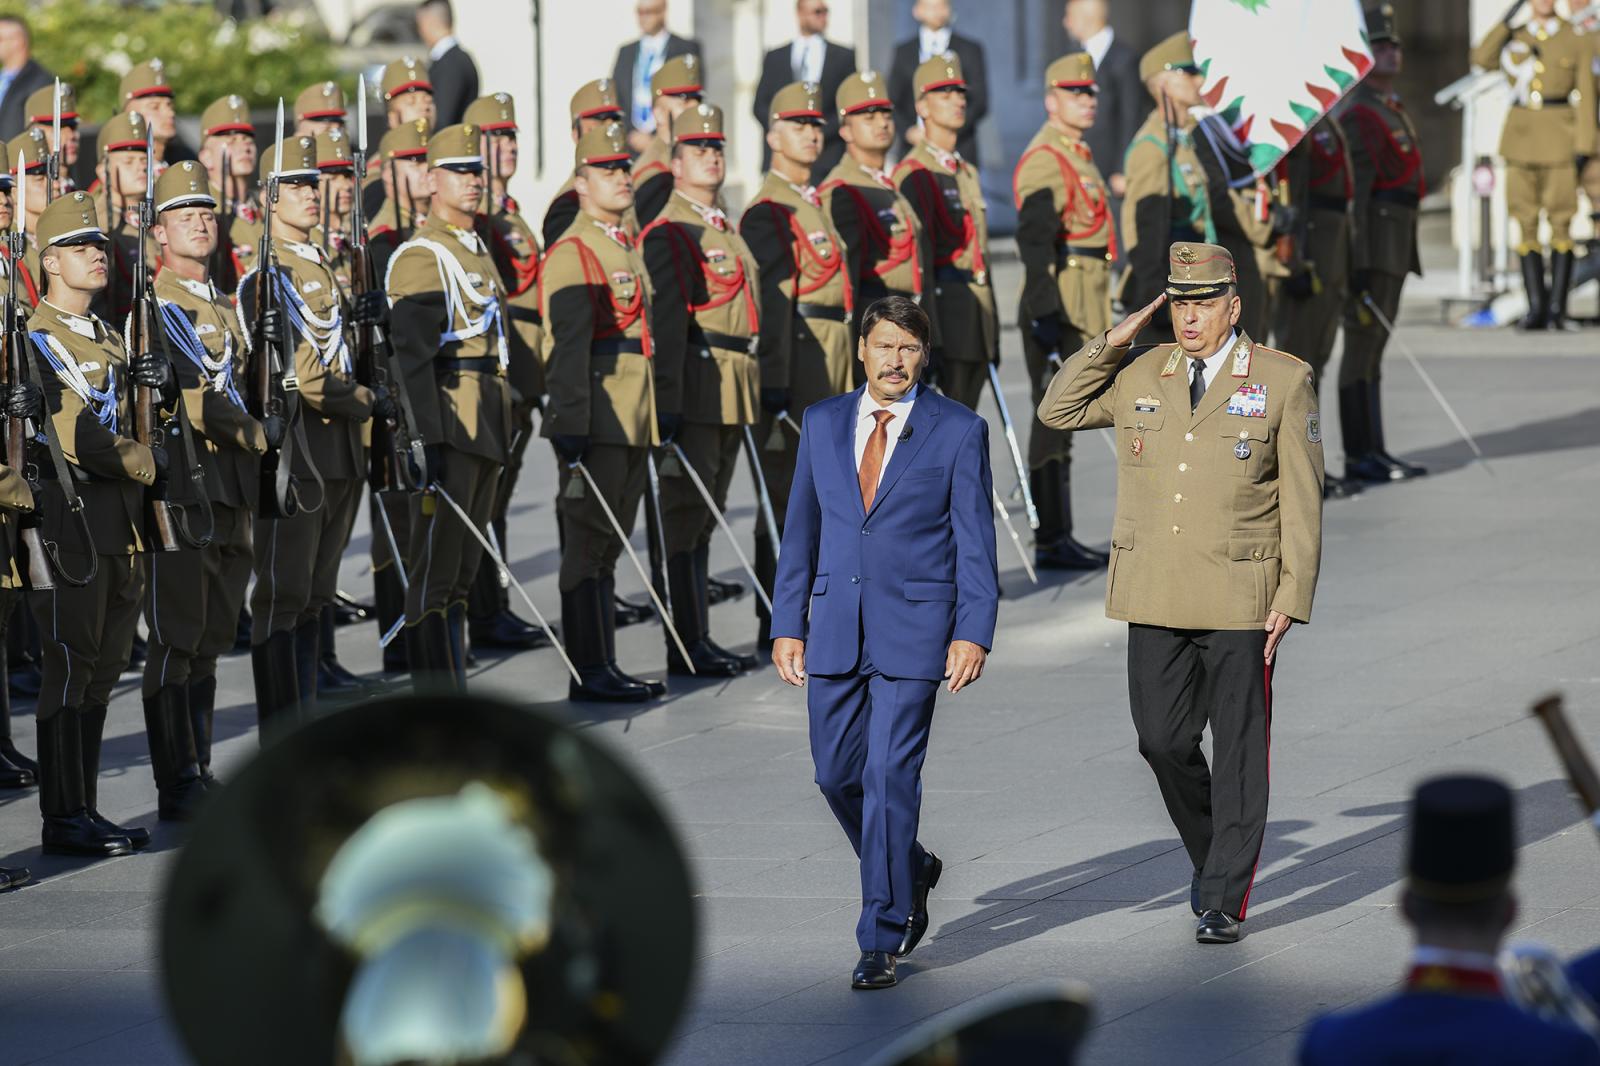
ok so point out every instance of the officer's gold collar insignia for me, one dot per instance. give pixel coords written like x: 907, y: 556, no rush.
x: 1172, y: 362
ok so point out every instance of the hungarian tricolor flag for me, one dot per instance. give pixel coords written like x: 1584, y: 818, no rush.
x: 1274, y: 67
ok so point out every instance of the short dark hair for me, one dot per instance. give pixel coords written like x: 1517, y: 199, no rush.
x: 899, y: 311
x: 440, y: 8
x: 21, y: 23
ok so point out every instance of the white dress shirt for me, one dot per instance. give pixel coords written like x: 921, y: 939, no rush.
x: 443, y: 45
x: 865, y: 424
x: 1213, y: 362
x: 1097, y: 45
x: 805, y: 56
x: 933, y: 42
x: 652, y: 53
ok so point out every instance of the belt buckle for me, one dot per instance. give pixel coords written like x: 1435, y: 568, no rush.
x: 980, y: 277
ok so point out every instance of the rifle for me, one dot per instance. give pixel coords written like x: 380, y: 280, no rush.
x: 269, y: 382
x: 219, y: 254
x: 53, y: 165
x: 139, y: 341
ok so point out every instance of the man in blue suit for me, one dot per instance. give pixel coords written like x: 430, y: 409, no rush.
x: 886, y: 586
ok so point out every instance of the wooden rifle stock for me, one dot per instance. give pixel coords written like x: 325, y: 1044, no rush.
x: 11, y: 373
x: 140, y: 341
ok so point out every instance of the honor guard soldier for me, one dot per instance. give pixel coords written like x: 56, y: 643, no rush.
x: 92, y: 611
x: 1387, y: 180
x: 593, y: 106
x: 1216, y: 545
x: 28, y: 277
x: 318, y: 109
x: 1066, y: 239
x: 948, y: 198
x: 705, y: 312
x: 595, y: 298
x: 516, y: 254
x: 338, y: 169
x: 806, y: 303
x: 407, y: 98
x: 1311, y: 303
x: 40, y: 110
x: 673, y: 88
x: 450, y: 346
x: 195, y: 594
x: 886, y: 249
x: 228, y: 152
x: 403, y: 181
x: 120, y: 186
x: 16, y: 505
x: 1549, y: 136
x: 145, y: 91
x: 297, y: 557
x: 1459, y: 903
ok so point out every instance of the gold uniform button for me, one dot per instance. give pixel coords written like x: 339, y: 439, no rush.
x: 1182, y: 467
x: 1177, y: 497
x: 1177, y: 529
x: 1256, y: 555
x: 1244, y: 434
x: 1188, y: 436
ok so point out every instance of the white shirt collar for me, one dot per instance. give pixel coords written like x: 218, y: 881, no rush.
x: 1212, y: 363
x: 201, y: 289
x: 656, y: 42
x: 901, y: 408
x: 934, y: 42
x: 1098, y: 43
x: 445, y: 43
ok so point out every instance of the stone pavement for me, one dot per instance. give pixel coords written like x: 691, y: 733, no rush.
x: 1445, y: 606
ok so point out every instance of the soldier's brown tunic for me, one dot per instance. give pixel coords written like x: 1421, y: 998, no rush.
x: 1320, y: 184
x: 652, y: 181
x: 887, y: 248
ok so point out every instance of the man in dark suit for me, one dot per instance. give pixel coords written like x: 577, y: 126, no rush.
x: 638, y: 60
x: 809, y: 57
x: 1123, y: 104
x: 935, y: 38
x: 886, y: 586
x: 20, y: 74
x: 451, y: 71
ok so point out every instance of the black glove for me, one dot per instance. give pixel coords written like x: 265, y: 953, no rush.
x: 1284, y: 218
x: 570, y: 447
x: 1360, y: 284
x: 151, y: 370
x: 1301, y: 285
x: 667, y: 426
x: 433, y: 458
x: 272, y: 426
x: 272, y: 329
x: 775, y: 401
x: 26, y: 401
x: 1583, y: 163
x: 1047, y: 333
x: 383, y: 407
x: 159, y: 454
x: 371, y: 308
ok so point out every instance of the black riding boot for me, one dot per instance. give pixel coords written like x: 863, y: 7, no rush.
x: 608, y: 594
x: 277, y: 682
x: 1538, y: 297
x: 1399, y: 469
x: 16, y: 769
x: 1355, y: 420
x: 1560, y: 284
x: 173, y: 756
x: 689, y: 620
x: 460, y: 650
x: 390, y: 604
x: 702, y: 566
x: 307, y: 650
x: 91, y: 729
x: 202, y: 719
x: 584, y: 629
x: 1057, y: 550
x: 332, y: 677
x: 68, y: 828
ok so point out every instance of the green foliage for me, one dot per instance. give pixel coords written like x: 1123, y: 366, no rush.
x: 92, y: 43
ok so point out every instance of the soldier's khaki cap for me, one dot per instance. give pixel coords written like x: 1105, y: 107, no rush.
x: 406, y: 141
x: 1174, y: 53
x: 70, y: 219
x: 147, y: 79
x: 333, y: 151
x: 1199, y: 271
x: 408, y: 74
x: 1075, y: 71
x: 226, y: 114
x: 184, y: 184
x: 126, y: 132
x: 596, y: 99
x: 29, y: 149
x: 456, y: 148
x: 324, y: 100
x: 799, y: 101
x: 602, y: 146
x: 6, y: 181
x: 678, y: 76
x: 701, y: 124
x: 865, y: 91
x: 493, y: 113
x: 938, y: 72
x: 1380, y: 24
x: 299, y: 160
x: 40, y: 108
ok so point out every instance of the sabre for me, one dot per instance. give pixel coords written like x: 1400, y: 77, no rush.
x: 53, y: 167
x: 790, y: 422
x: 762, y: 495
x: 633, y: 557
x: 1405, y: 350
x: 1016, y: 449
x: 1005, y: 517
x: 658, y: 524
x: 511, y: 579
x: 716, y: 512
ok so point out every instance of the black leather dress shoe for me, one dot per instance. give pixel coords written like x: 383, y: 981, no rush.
x: 1194, y: 894
x: 722, y: 591
x: 1217, y: 928
x: 1399, y: 469
x: 75, y: 834
x: 1339, y: 488
x: 628, y: 613
x: 504, y: 630
x: 137, y: 836
x: 1069, y: 555
x: 14, y: 776
x: 652, y: 686
x: 875, y: 970
x: 917, y: 921
x: 705, y: 659
x: 604, y: 684
x: 746, y: 662
x: 14, y: 877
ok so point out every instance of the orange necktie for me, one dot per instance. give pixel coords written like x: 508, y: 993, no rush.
x: 872, y: 458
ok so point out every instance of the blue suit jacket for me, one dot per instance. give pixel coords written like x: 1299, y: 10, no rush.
x: 1584, y: 972
x: 1430, y: 1029
x: 912, y: 575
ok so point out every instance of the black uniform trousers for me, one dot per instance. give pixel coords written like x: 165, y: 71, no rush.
x: 1179, y: 681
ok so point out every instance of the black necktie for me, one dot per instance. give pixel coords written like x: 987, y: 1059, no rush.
x: 1197, y: 384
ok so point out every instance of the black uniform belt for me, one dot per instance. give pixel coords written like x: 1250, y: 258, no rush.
x: 1545, y: 102
x: 617, y: 346
x: 1064, y: 251
x: 831, y: 314
x: 1403, y: 197
x: 483, y: 364
x: 705, y: 338
x: 1321, y: 202
x: 525, y: 314
x: 954, y: 275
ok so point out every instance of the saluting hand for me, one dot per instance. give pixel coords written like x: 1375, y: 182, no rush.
x: 963, y: 664
x: 1278, y: 624
x: 1121, y: 335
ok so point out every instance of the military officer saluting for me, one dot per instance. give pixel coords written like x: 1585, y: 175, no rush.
x: 1548, y: 137
x: 1215, y: 549
x: 673, y: 88
x: 948, y: 198
x: 593, y: 106
x: 195, y: 593
x: 449, y: 338
x: 1387, y: 185
x: 1067, y: 240
x: 89, y: 395
x: 806, y: 302
x: 704, y: 317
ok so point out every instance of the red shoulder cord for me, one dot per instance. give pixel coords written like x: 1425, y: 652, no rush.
x: 1395, y: 166
x: 805, y: 254
x: 888, y: 251
x: 27, y: 278
x: 612, y: 321
x: 686, y: 256
x: 1326, y: 166
x: 1077, y: 193
x: 521, y: 270
x: 938, y: 214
